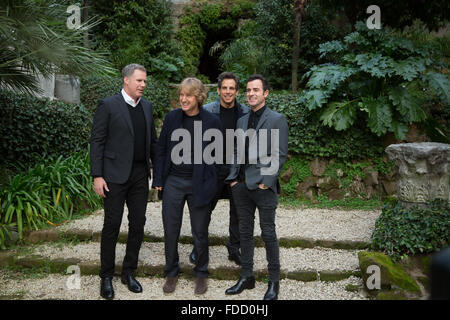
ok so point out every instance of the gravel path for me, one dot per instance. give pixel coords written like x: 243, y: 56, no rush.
x: 55, y: 287
x: 152, y: 254
x: 316, y: 224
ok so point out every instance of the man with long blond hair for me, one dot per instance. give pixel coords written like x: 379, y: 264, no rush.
x: 183, y: 176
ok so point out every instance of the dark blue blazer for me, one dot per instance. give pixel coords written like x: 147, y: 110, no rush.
x: 204, y: 177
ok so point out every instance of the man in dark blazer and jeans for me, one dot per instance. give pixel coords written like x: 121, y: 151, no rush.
x: 254, y: 183
x: 123, y: 141
x: 190, y: 179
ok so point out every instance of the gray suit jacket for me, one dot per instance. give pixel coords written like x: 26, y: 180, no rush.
x: 272, y: 133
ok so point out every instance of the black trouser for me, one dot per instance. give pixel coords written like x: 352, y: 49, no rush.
x: 246, y: 203
x: 135, y: 194
x: 233, y: 244
x: 177, y: 191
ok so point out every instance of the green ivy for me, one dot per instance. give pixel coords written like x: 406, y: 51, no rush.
x: 33, y: 128
x: 400, y: 231
x: 300, y: 169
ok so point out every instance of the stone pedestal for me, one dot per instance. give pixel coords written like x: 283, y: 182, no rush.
x: 423, y: 170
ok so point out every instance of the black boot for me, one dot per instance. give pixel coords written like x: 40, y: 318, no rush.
x: 272, y: 291
x: 106, y: 288
x: 241, y: 285
x: 133, y: 284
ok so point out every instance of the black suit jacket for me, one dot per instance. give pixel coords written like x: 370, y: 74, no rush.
x: 112, y: 139
x: 204, y: 176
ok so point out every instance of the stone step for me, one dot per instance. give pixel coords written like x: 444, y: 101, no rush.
x: 296, y: 263
x: 306, y: 228
x: 60, y: 287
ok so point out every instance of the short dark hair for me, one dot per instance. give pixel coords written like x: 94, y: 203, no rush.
x: 227, y: 75
x: 259, y: 77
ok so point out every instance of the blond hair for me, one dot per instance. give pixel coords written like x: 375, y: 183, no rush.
x: 195, y: 87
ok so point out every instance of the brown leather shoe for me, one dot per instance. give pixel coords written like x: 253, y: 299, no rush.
x: 171, y: 283
x: 201, y: 285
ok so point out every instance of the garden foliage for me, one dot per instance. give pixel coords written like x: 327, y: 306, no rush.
x: 309, y: 138
x: 376, y: 77
x: 265, y: 44
x: 47, y: 193
x: 140, y: 32
x: 400, y: 231
x: 34, y: 128
x: 35, y: 39
x: 94, y: 88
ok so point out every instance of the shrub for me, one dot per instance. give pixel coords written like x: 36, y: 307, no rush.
x: 377, y: 77
x: 33, y: 128
x: 309, y: 138
x: 50, y: 191
x: 140, y: 32
x: 400, y: 231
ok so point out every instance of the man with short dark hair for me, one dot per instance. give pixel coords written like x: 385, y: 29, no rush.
x: 254, y: 183
x: 123, y: 140
x: 229, y: 110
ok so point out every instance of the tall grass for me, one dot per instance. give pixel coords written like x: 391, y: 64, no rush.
x: 48, y: 193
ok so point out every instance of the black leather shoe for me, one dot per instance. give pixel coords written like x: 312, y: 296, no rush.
x: 192, y: 258
x: 236, y: 257
x: 133, y: 284
x: 106, y: 288
x: 241, y: 285
x: 272, y: 291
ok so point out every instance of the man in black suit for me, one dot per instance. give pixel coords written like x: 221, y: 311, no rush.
x: 254, y: 183
x: 123, y: 141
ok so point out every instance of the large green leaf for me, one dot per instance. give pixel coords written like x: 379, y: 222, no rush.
x: 340, y: 115
x: 400, y: 129
x: 375, y: 64
x: 439, y: 82
x: 334, y: 46
x: 409, y: 68
x: 380, y: 114
x: 315, y: 98
x: 406, y: 104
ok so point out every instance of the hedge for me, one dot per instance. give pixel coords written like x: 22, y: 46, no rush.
x: 34, y: 128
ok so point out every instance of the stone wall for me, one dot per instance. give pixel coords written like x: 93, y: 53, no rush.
x: 371, y: 184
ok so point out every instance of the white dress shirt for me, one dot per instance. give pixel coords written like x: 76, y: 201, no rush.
x: 129, y: 99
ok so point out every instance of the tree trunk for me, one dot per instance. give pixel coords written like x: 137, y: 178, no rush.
x: 296, y: 52
x: 85, y: 19
x: 299, y: 12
